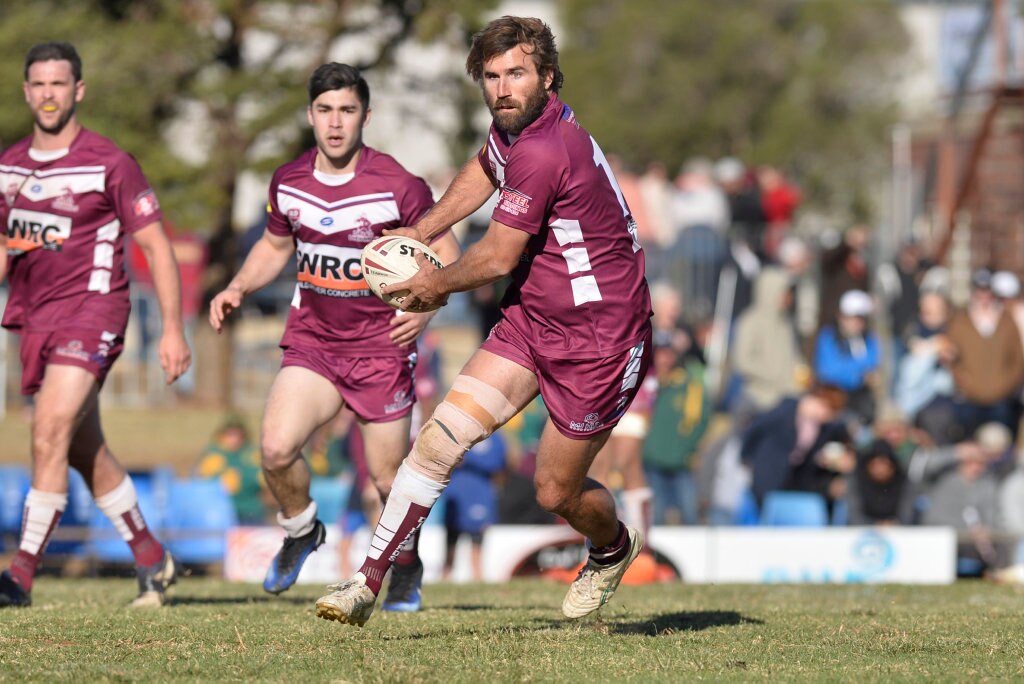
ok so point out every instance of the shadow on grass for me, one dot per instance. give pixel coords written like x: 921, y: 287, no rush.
x: 179, y: 600
x: 671, y: 623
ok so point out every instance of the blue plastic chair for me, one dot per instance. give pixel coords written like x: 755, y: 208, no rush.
x: 198, y: 518
x: 14, y: 485
x: 105, y: 543
x: 794, y: 509
x: 746, y: 513
x: 331, y: 497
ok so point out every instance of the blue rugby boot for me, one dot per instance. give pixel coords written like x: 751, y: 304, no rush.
x: 404, y: 588
x: 285, y: 567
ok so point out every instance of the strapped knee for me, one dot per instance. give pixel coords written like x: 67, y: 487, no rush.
x: 471, y: 411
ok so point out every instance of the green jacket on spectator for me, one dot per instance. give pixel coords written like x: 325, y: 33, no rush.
x: 682, y: 411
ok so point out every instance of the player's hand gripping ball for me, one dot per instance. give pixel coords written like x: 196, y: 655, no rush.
x: 391, y: 259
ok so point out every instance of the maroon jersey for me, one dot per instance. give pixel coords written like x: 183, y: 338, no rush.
x: 331, y: 219
x: 66, y: 220
x: 579, y: 289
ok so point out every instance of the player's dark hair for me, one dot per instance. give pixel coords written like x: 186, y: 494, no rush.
x: 501, y: 35
x: 335, y: 76
x: 44, y: 52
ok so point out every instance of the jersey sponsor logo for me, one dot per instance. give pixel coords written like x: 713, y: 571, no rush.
x: 330, y: 271
x: 590, y: 423
x: 326, y: 221
x: 37, y: 188
x: 29, y: 230
x: 66, y: 201
x: 145, y: 203
x: 514, y: 202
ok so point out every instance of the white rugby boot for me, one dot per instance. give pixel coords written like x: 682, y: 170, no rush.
x: 350, y: 602
x: 596, y: 584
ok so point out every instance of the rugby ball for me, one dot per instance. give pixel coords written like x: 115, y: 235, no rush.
x: 391, y: 259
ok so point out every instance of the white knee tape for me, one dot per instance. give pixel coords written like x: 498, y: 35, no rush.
x: 470, y: 412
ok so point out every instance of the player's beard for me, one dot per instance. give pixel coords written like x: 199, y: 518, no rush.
x: 61, y: 122
x: 515, y: 121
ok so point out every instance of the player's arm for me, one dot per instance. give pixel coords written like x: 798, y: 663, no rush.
x: 265, y: 261
x: 467, y: 193
x: 175, y: 357
x: 3, y: 256
x: 487, y: 260
x: 405, y: 328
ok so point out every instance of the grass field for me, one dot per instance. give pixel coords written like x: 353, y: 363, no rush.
x: 78, y: 630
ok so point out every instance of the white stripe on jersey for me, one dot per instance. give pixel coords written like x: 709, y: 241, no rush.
x: 493, y: 146
x: 328, y: 206
x: 313, y: 216
x: 78, y: 180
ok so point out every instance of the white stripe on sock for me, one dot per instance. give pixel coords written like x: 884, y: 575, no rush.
x: 40, y: 509
x: 118, y: 501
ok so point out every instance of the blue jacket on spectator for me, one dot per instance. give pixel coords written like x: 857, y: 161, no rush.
x: 472, y: 501
x: 837, y: 361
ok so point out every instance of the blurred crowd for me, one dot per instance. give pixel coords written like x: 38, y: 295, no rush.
x: 845, y: 377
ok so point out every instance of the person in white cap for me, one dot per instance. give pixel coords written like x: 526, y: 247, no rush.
x: 1006, y: 286
x: 847, y: 354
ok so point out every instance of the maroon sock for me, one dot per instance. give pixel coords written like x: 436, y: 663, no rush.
x: 614, y: 552
x: 409, y: 552
x: 145, y: 547
x: 384, y: 547
x: 23, y: 566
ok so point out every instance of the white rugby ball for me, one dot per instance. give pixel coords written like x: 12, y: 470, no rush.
x: 391, y: 259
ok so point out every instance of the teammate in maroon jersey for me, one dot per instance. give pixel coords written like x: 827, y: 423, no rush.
x: 575, y: 324
x: 69, y: 198
x: 342, y: 345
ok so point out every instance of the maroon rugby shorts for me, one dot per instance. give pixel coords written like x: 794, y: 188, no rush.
x: 583, y: 396
x: 93, y: 350
x: 377, y: 389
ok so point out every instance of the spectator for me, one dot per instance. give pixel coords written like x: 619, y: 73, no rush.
x: 795, y: 257
x: 679, y: 420
x: 961, y: 490
x: 879, y: 493
x: 900, y: 281
x: 782, y: 447
x: 656, y: 193
x: 987, y: 359
x: 765, y: 351
x: 1006, y: 286
x: 472, y: 501
x: 847, y: 355
x: 743, y: 195
x: 844, y: 267
x: 697, y: 249
x: 779, y: 200
x: 924, y: 384
x: 234, y: 460
x: 1010, y: 518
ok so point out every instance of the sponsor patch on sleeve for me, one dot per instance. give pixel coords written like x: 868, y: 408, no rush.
x: 514, y: 202
x: 145, y: 203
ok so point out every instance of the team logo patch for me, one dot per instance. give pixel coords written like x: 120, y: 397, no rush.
x: 363, y: 232
x: 145, y: 203
x: 66, y: 201
x: 326, y: 221
x: 293, y: 218
x: 514, y: 202
x: 402, y: 399
x: 36, y: 188
x: 73, y: 349
x: 590, y: 423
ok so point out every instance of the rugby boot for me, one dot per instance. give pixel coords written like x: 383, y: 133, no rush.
x: 350, y: 602
x: 154, y: 581
x: 285, y: 567
x: 595, y: 584
x: 12, y: 595
x: 404, y: 588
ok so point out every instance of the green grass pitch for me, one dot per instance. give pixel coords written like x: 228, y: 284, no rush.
x: 80, y: 630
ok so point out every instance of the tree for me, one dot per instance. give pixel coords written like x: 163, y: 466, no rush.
x: 797, y: 83
x: 231, y: 75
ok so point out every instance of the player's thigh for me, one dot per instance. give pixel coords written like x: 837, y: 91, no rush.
x: 563, y: 462
x: 517, y: 383
x: 300, y: 401
x: 64, y: 398
x: 386, y: 444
